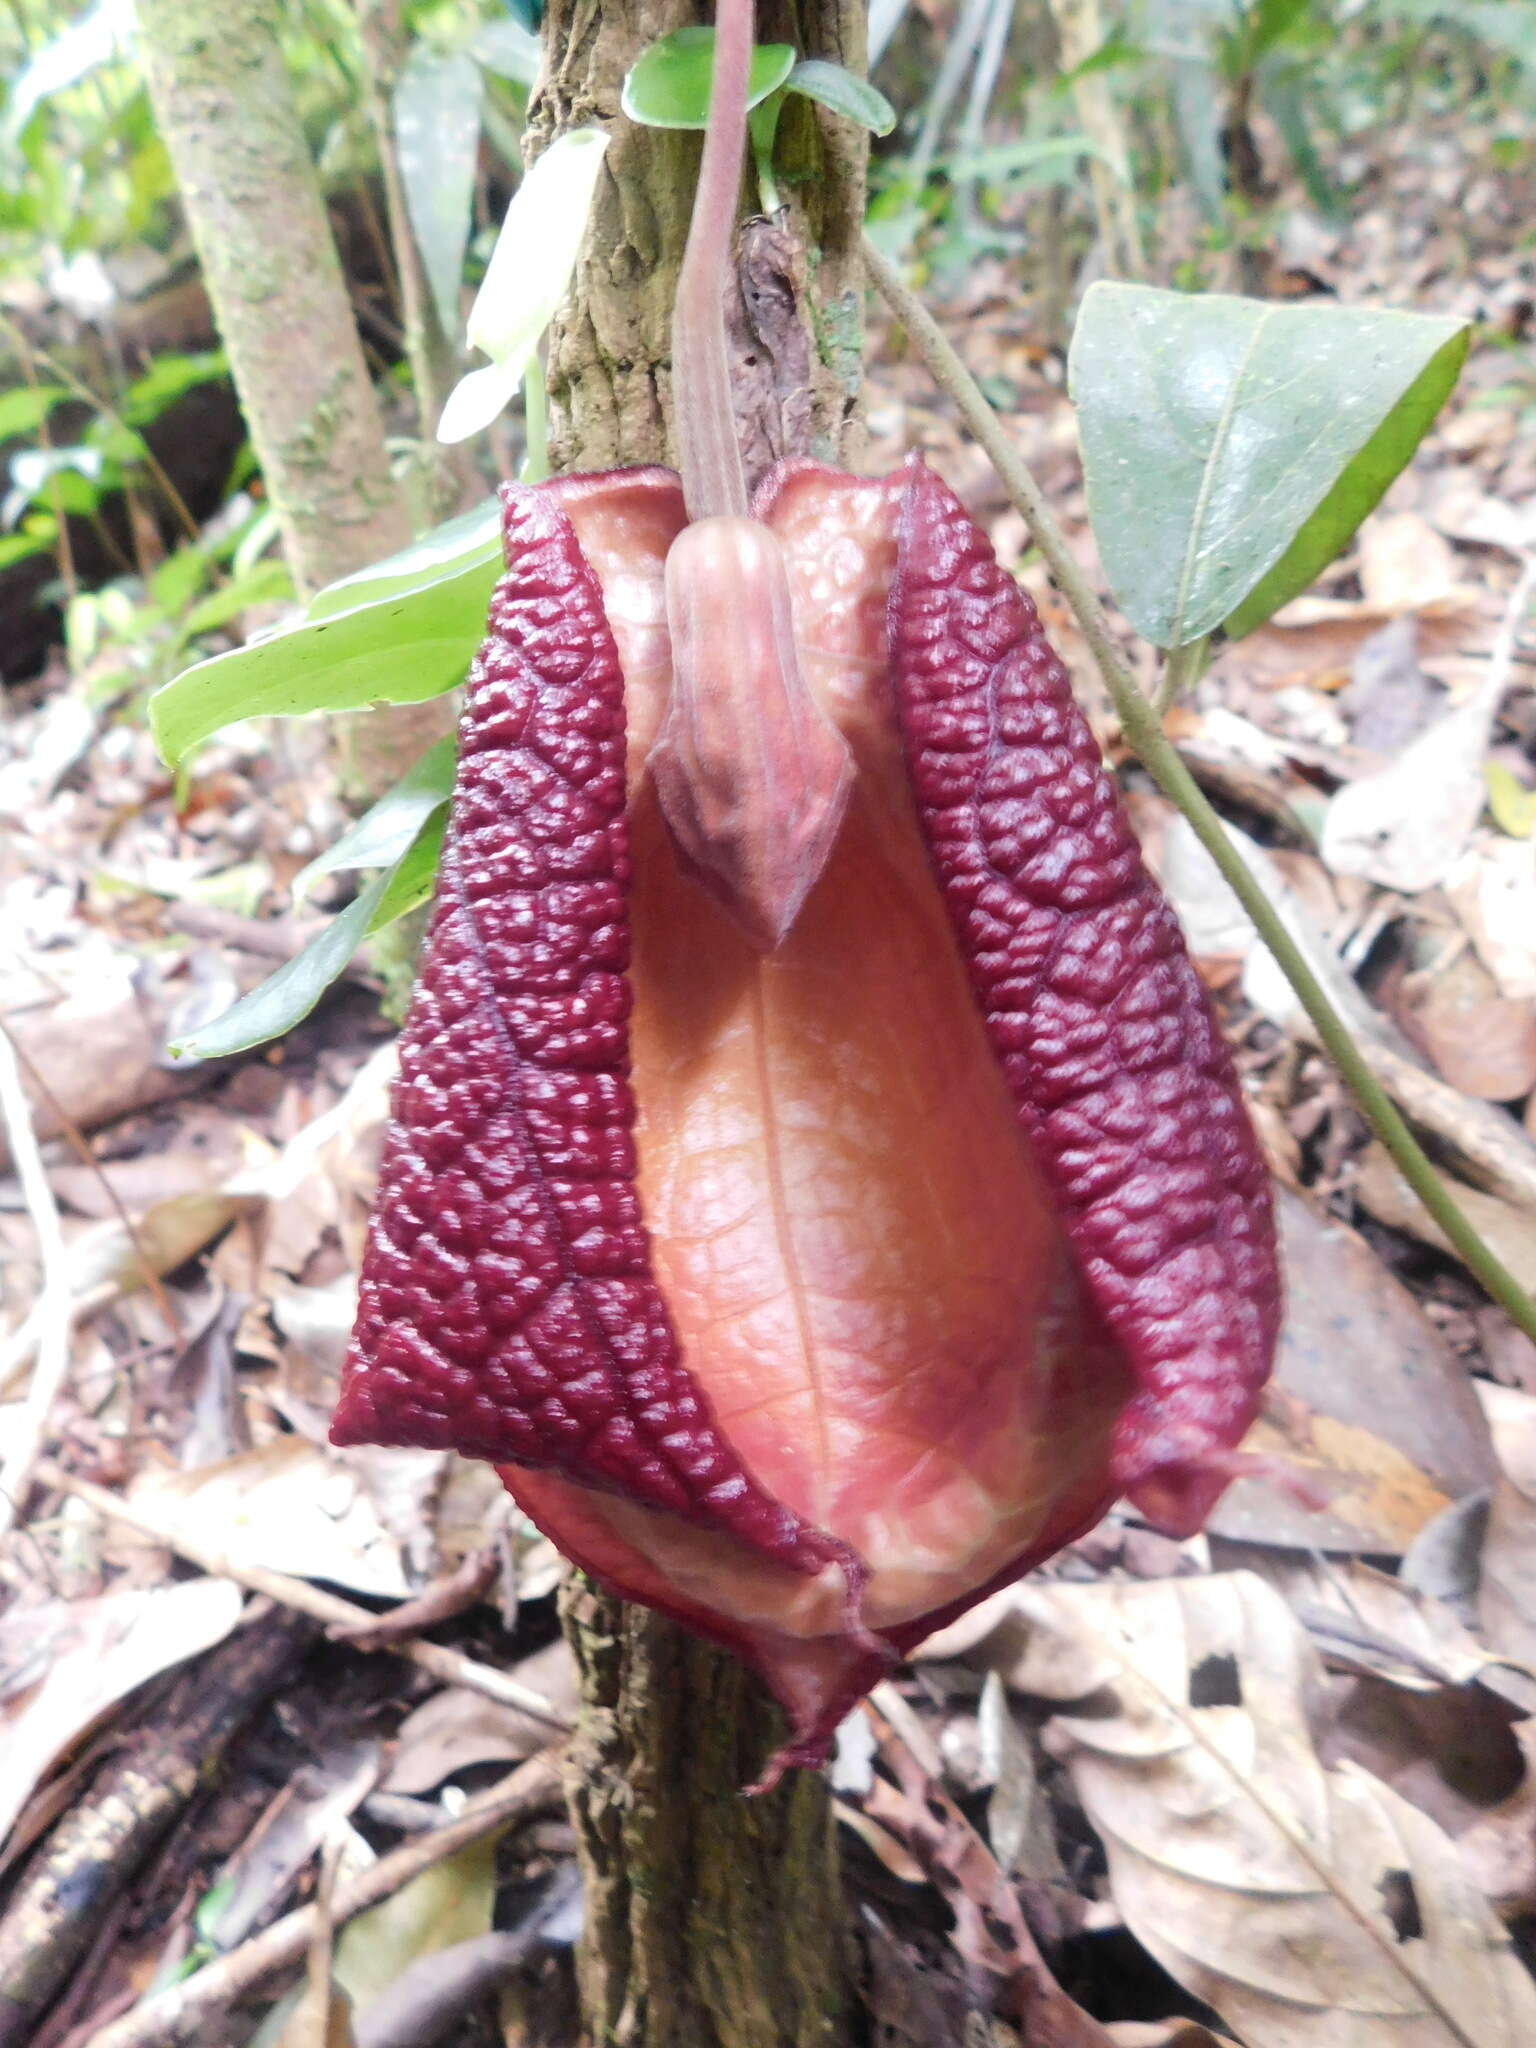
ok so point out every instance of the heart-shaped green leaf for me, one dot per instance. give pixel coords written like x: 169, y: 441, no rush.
x: 668, y: 84
x: 854, y: 98
x: 1232, y: 447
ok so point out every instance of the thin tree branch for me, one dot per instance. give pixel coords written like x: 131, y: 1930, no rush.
x: 1143, y: 731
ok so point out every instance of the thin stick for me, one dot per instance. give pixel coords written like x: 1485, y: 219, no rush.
x: 1144, y: 734
x: 450, y: 1667
x: 187, y: 2012
x: 54, y: 1311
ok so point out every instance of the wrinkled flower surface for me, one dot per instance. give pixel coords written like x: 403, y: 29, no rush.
x: 808, y: 1292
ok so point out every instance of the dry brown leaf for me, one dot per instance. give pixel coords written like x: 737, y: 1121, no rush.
x: 306, y: 1812
x: 1310, y: 1908
x: 63, y: 1664
x: 1487, y: 1048
x: 1162, y: 2034
x: 1406, y: 825
x: 1493, y: 891
x: 1380, y: 1188
x: 1406, y: 566
x: 1391, y: 1441
x: 288, y: 1506
x: 1506, y: 1599
x: 457, y: 1728
x: 990, y: 1930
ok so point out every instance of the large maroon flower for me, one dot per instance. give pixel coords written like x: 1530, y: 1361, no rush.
x: 807, y: 1284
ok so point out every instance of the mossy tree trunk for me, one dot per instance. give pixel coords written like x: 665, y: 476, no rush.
x: 714, y: 1921
x: 224, y: 104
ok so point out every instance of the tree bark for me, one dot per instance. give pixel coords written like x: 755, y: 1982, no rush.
x: 610, y: 352
x: 223, y: 102
x: 224, y: 105
x: 713, y: 1920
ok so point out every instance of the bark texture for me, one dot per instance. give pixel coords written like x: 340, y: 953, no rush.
x: 610, y: 355
x: 224, y: 105
x: 714, y: 1921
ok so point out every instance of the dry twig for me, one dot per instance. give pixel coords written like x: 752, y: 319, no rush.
x: 101, y: 1844
x: 185, y: 2013
x: 54, y: 1312
x: 449, y: 1667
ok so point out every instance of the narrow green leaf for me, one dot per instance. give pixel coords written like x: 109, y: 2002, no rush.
x: 267, y: 583
x: 415, y: 877
x: 399, y: 651
x: 437, y: 134
x: 1232, y: 447
x: 287, y: 997
x: 527, y: 277
x: 384, y: 834
x: 668, y: 84
x: 1009, y: 160
x: 167, y: 379
x: 467, y: 542
x: 854, y: 98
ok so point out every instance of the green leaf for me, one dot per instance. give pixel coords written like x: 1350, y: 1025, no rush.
x: 399, y: 651
x: 668, y: 84
x: 267, y: 583
x: 1231, y: 448
x: 287, y: 997
x: 384, y: 834
x: 1272, y: 21
x: 19, y: 547
x: 437, y: 134
x: 415, y: 877
x: 1019, y: 159
x: 1512, y: 804
x: 467, y: 542
x: 168, y: 378
x: 527, y: 277
x: 23, y: 410
x: 854, y: 98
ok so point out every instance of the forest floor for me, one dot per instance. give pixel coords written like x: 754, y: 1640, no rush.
x: 1277, y: 1781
